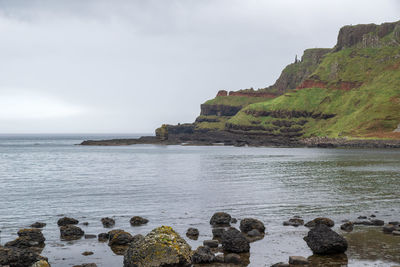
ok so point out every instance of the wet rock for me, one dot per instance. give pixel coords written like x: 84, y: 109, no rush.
x: 38, y: 225
x: 322, y: 240
x: 233, y: 220
x: 373, y: 222
x: 16, y: 257
x: 396, y: 233
x: 321, y: 220
x: 85, y: 223
x: 395, y: 223
x: 297, y: 260
x: 294, y: 222
x: 119, y: 238
x: 66, y: 221
x: 22, y: 243
x: 192, y: 233
x: 86, y: 265
x: 87, y: 253
x: 103, y: 237
x: 32, y: 234
x: 362, y: 217
x: 41, y: 263
x: 280, y: 264
x: 217, y: 232
x: 348, y: 227
x: 232, y: 258
x: 203, y: 255
x: 234, y: 241
x: 372, y: 216
x: 211, y: 243
x: 220, y: 219
x: 220, y: 258
x: 377, y: 222
x: 137, y: 221
x: 90, y: 236
x: 71, y: 232
x: 161, y: 247
x: 108, y: 222
x: 248, y: 224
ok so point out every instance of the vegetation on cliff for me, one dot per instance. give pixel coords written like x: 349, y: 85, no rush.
x: 351, y: 91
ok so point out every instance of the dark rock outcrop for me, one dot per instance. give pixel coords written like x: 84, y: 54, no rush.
x: 137, y: 221
x: 16, y: 257
x: 71, y: 232
x: 108, y: 222
x: 324, y: 241
x: 67, y: 221
x: 119, y: 238
x: 219, y: 110
x: 234, y: 241
x: 203, y: 255
x: 248, y: 224
x: 220, y: 219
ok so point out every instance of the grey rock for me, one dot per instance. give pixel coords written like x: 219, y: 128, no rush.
x: 322, y: 240
x: 220, y: 219
x: 234, y: 241
x: 297, y: 260
x: 137, y: 221
x: 248, y: 224
x: 203, y: 255
x: 67, y: 221
x: 108, y: 222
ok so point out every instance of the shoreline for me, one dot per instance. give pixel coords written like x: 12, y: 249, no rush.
x: 314, y: 142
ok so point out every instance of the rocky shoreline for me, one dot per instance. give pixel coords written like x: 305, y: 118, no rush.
x: 234, y: 139
x: 163, y: 246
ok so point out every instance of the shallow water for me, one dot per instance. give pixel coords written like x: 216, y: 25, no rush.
x: 43, y: 177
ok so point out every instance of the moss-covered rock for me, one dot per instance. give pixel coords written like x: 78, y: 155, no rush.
x: 161, y: 247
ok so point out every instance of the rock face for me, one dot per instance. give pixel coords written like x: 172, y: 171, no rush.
x: 322, y: 240
x: 67, y: 221
x: 161, y: 247
x: 137, y: 220
x: 219, y: 110
x: 71, y: 232
x: 16, y: 257
x: 248, y: 224
x: 27, y: 238
x: 108, y: 222
x: 234, y: 241
x: 203, y: 255
x: 317, y: 221
x: 119, y: 238
x: 220, y: 219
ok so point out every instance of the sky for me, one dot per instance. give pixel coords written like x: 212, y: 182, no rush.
x: 97, y: 66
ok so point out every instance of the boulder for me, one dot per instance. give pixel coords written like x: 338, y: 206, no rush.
x: 137, y: 220
x: 66, y: 221
x: 119, y: 238
x: 103, y: 237
x: 348, y: 227
x: 16, y: 257
x: 203, y: 255
x: 220, y: 219
x: 108, y: 222
x: 248, y: 224
x: 161, y: 247
x: 325, y: 221
x: 71, y: 232
x: 322, y: 240
x: 234, y: 241
x: 192, y: 233
x: 32, y: 234
x: 211, y: 243
x: 38, y: 225
x: 298, y: 260
x: 294, y: 222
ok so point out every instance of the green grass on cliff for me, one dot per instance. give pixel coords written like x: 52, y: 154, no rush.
x: 372, y: 108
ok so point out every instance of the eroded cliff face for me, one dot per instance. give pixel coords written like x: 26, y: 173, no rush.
x: 368, y: 35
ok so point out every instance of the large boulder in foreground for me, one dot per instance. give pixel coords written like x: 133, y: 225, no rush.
x: 161, y: 247
x: 324, y: 241
x: 234, y: 241
x: 16, y: 257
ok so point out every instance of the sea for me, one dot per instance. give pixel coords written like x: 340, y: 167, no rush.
x: 44, y: 177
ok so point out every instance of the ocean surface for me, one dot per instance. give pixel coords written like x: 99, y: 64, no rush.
x: 44, y: 177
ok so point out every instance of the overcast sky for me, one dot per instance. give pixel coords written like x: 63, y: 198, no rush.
x: 97, y: 66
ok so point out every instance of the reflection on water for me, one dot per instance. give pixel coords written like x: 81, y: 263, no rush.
x: 183, y: 186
